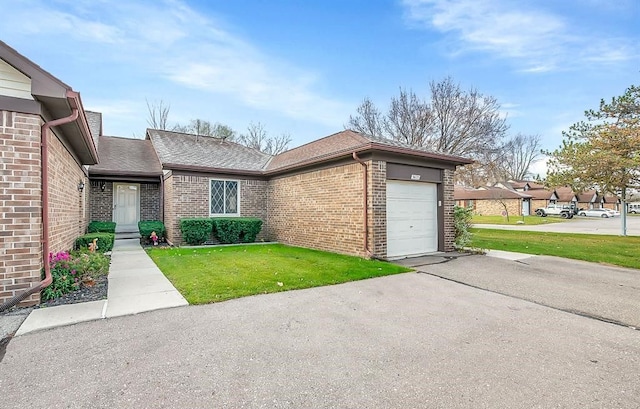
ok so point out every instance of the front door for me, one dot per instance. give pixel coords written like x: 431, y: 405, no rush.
x: 126, y: 206
x: 526, y: 207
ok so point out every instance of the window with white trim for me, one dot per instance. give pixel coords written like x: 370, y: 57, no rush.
x: 224, y: 197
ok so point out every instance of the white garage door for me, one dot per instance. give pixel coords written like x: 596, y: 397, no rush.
x: 412, y: 221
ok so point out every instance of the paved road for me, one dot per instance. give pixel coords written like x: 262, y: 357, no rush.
x: 406, y: 341
x: 589, y: 225
x: 604, y: 292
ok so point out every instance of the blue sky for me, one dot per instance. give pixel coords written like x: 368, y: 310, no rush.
x: 303, y: 67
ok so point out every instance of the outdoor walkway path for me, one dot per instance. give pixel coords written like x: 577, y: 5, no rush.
x: 135, y: 285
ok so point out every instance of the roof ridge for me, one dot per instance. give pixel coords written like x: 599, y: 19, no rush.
x: 317, y: 140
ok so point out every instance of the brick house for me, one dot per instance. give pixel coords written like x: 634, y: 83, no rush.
x: 492, y: 200
x: 45, y: 141
x: 311, y: 196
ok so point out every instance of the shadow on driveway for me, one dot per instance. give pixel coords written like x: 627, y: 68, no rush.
x: 606, y: 293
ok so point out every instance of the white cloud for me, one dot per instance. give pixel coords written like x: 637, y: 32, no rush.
x: 538, y: 41
x: 169, y: 42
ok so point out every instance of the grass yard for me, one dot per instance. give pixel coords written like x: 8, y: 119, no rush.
x: 530, y: 220
x: 211, y: 274
x: 616, y: 250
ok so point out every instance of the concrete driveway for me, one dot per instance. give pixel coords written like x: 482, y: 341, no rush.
x: 588, y: 225
x: 407, y: 341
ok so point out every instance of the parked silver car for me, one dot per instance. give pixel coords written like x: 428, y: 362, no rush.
x: 596, y: 213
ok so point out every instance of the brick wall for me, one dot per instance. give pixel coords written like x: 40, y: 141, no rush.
x: 378, y: 208
x: 149, y: 201
x: 495, y: 208
x: 449, y: 204
x: 320, y: 209
x: 187, y: 196
x: 170, y: 221
x: 20, y: 204
x: 68, y: 210
x: 101, y: 202
x: 536, y: 204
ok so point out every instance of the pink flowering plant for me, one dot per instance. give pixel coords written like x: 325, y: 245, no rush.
x: 65, y: 278
x: 70, y: 271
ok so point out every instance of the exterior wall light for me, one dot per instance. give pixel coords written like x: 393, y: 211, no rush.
x: 80, y: 186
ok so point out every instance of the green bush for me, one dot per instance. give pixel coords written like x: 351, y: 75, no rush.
x: 146, y: 227
x: 89, y: 265
x: 462, y: 222
x: 230, y: 230
x: 196, y: 231
x: 105, y: 241
x: 101, y: 227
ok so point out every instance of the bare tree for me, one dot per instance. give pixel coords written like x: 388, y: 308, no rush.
x: 519, y: 154
x: 369, y: 119
x: 466, y: 123
x: 158, y: 114
x: 202, y: 127
x: 258, y: 138
x: 453, y: 121
x: 409, y: 120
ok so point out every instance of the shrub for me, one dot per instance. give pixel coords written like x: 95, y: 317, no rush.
x: 65, y: 278
x: 89, y: 265
x: 105, y: 241
x: 101, y: 227
x: 462, y: 222
x: 196, y: 231
x: 236, y: 229
x: 146, y: 227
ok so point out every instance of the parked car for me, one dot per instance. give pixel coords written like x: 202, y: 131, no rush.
x: 633, y: 208
x: 565, y: 212
x: 597, y: 213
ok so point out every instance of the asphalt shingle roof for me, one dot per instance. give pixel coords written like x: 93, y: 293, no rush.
x: 126, y: 156
x: 180, y: 149
x: 345, y: 142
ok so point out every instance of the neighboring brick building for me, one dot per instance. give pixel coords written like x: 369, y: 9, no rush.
x: 493, y: 201
x: 30, y: 98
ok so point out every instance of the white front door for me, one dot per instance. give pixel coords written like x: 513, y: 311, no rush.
x: 126, y: 206
x: 526, y: 207
x: 412, y: 218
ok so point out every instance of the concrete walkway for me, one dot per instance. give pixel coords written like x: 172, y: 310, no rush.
x: 135, y: 285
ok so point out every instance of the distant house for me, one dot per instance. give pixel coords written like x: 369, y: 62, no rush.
x: 493, y: 200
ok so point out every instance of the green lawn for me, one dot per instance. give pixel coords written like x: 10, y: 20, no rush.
x: 530, y: 220
x: 616, y: 250
x: 211, y: 274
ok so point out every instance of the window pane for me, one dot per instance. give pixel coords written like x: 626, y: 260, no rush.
x: 231, y: 197
x: 217, y: 197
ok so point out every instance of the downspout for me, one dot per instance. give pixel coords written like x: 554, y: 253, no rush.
x: 44, y: 131
x: 365, y: 210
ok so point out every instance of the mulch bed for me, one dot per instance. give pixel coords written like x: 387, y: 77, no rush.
x: 96, y: 292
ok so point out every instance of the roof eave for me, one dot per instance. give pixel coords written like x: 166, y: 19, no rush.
x: 206, y: 169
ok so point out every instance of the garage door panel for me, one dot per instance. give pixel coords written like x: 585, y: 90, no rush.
x: 412, y: 225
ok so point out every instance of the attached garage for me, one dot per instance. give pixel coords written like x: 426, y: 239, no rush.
x: 412, y: 218
x: 414, y: 204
